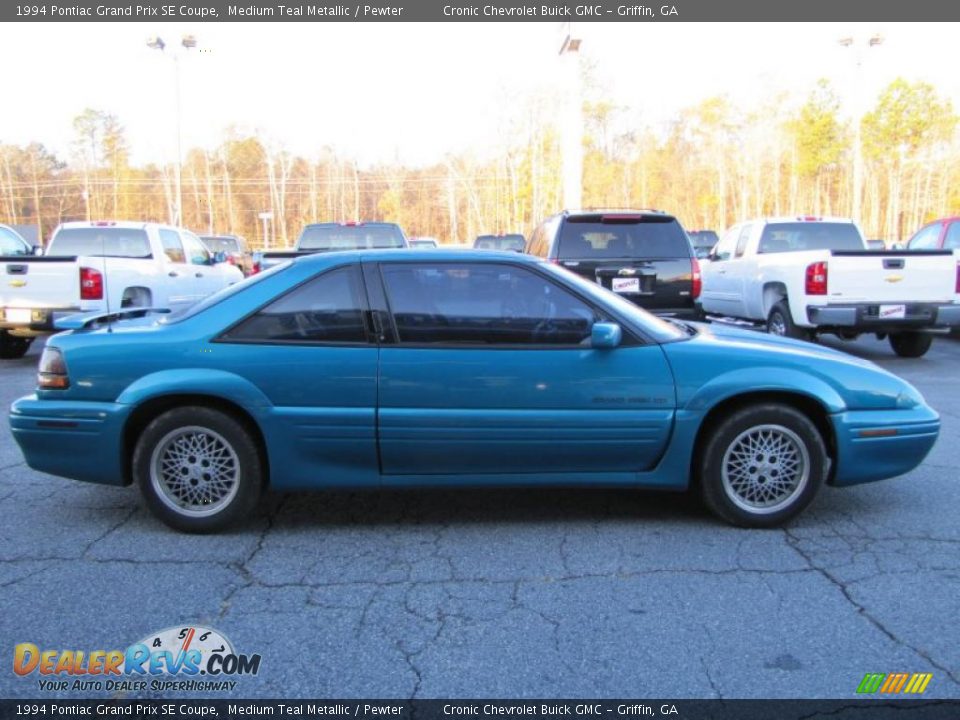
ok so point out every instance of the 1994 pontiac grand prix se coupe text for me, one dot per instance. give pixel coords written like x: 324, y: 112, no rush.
x: 441, y: 368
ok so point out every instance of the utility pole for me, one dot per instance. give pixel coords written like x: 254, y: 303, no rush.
x: 571, y: 143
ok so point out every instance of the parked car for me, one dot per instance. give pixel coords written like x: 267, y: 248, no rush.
x: 509, y: 241
x: 803, y: 276
x: 452, y: 368
x: 423, y: 242
x: 643, y: 255
x: 329, y: 237
x: 99, y: 266
x: 235, y: 250
x: 939, y: 234
x: 702, y: 241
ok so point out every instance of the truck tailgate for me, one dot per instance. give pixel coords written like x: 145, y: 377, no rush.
x: 914, y: 276
x: 39, y: 282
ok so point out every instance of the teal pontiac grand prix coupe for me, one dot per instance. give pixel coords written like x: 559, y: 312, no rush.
x: 393, y: 368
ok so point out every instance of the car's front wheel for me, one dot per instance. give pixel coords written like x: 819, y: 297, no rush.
x: 198, y: 469
x: 762, y: 465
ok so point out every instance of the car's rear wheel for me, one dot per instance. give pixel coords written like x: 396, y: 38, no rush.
x: 12, y: 347
x: 910, y: 344
x: 762, y: 465
x: 198, y: 469
x: 780, y: 322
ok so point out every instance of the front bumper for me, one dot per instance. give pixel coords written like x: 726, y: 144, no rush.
x: 73, y: 439
x: 868, y: 318
x: 880, y: 444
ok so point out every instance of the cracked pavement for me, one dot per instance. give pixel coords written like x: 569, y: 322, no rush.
x: 508, y: 593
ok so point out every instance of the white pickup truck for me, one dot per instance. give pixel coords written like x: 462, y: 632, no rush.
x: 96, y: 266
x: 804, y: 276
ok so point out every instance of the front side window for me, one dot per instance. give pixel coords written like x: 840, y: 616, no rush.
x: 483, y: 304
x: 743, y: 240
x: 197, y: 254
x: 327, y: 309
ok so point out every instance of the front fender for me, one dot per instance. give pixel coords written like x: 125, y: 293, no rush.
x: 763, y: 379
x: 196, y: 381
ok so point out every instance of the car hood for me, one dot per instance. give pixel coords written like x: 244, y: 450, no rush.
x: 730, y: 360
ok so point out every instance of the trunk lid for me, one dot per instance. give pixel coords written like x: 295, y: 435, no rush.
x: 926, y: 276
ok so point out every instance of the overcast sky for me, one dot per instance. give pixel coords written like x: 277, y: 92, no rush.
x: 416, y: 91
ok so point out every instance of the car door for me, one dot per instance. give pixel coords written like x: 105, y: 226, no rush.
x: 312, y: 355
x: 179, y: 284
x: 717, y: 295
x: 737, y: 270
x: 207, y: 277
x: 491, y: 371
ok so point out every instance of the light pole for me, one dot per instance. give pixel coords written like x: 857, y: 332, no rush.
x: 188, y: 42
x: 572, y: 131
x: 859, y: 50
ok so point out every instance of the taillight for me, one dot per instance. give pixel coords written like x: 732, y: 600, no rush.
x: 231, y: 259
x: 255, y: 269
x: 697, y: 278
x: 91, y: 284
x: 52, y: 373
x: 817, y: 278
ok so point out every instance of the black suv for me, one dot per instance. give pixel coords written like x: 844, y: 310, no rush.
x: 643, y: 255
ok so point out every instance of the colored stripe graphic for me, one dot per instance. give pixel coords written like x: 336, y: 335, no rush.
x: 894, y: 683
x: 871, y: 682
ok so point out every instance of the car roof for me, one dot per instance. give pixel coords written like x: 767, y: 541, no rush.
x: 616, y: 211
x: 416, y: 254
x: 798, y: 218
x: 122, y: 224
x: 358, y: 223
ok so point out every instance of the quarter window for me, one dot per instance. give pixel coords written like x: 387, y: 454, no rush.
x: 326, y: 309
x: 952, y: 240
x: 483, y: 304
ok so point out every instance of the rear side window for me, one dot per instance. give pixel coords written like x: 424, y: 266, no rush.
x: 926, y: 239
x: 952, y: 240
x: 800, y: 236
x: 172, y: 247
x: 350, y: 237
x: 101, y: 242
x: 11, y: 244
x: 479, y: 304
x: 622, y: 237
x: 327, y: 309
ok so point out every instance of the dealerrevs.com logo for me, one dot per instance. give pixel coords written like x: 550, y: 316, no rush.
x: 189, y: 659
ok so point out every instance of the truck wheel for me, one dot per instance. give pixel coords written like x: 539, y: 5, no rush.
x: 11, y: 347
x: 198, y: 469
x: 910, y: 344
x: 780, y: 322
x: 762, y: 465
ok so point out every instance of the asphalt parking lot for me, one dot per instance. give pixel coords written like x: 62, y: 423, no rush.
x: 533, y: 593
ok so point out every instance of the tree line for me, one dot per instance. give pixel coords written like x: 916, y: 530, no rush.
x: 711, y: 165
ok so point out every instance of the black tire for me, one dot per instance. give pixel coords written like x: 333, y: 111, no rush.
x: 13, y: 348
x: 749, y: 493
x: 213, y: 437
x: 910, y: 344
x: 780, y: 322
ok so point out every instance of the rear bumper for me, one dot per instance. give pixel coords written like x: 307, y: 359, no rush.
x: 867, y: 316
x: 880, y: 444
x: 41, y: 320
x: 79, y: 440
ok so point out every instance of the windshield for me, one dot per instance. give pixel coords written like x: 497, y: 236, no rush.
x: 350, y: 237
x: 101, y: 242
x: 500, y: 242
x: 658, y: 329
x: 799, y: 236
x: 220, y: 243
x: 622, y: 236
x: 223, y: 294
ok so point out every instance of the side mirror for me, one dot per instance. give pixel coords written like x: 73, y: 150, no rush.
x: 38, y: 249
x: 605, y: 335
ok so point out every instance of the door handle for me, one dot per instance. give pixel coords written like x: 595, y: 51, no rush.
x: 173, y: 274
x: 199, y: 275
